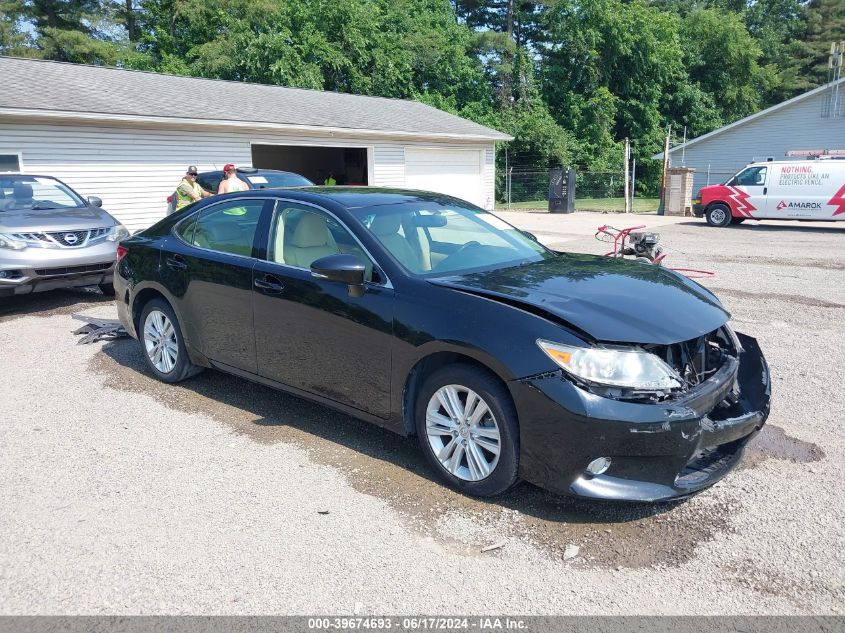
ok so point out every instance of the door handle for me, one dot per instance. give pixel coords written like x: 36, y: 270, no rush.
x: 270, y: 284
x: 765, y: 190
x: 176, y: 263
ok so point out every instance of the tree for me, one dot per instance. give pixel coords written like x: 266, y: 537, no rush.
x: 62, y: 30
x: 825, y: 24
x: 779, y: 27
x: 609, y: 71
x: 13, y: 41
x: 501, y: 29
x: 721, y: 57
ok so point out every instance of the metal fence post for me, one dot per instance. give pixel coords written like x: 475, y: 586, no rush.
x: 509, y: 177
x: 625, y: 160
x: 633, y: 183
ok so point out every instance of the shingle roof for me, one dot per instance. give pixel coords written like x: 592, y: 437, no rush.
x: 52, y: 87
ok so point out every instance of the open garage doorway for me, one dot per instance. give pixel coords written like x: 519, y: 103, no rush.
x: 347, y: 165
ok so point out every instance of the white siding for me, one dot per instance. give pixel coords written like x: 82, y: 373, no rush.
x: 134, y: 169
x: 490, y: 177
x: 389, y: 167
x: 796, y: 126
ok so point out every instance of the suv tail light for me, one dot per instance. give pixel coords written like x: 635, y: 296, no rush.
x: 121, y: 252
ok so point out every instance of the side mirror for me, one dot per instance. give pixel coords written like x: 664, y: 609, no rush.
x: 343, y: 268
x: 94, y: 201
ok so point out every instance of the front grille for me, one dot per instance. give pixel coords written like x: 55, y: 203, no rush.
x: 699, y: 358
x: 70, y: 238
x: 30, y: 237
x: 73, y: 270
x: 65, y: 239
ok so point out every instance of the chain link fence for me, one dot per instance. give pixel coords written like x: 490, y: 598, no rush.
x: 528, y: 188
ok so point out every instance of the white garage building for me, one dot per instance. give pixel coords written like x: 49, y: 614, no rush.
x: 128, y: 136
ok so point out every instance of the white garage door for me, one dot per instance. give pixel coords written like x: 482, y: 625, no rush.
x: 456, y: 173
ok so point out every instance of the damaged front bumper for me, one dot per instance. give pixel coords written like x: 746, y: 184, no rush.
x: 657, y: 451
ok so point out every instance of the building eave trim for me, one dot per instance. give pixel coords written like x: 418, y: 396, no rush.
x: 64, y: 115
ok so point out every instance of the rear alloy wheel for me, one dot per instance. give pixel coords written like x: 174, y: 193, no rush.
x: 467, y: 429
x: 161, y: 339
x: 718, y: 215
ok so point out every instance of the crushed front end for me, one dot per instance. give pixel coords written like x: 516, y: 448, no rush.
x: 629, y: 446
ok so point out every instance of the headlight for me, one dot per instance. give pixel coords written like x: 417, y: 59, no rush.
x: 118, y: 233
x: 8, y: 242
x: 626, y: 367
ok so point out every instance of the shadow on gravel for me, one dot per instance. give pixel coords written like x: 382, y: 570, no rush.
x: 53, y: 302
x: 379, y: 463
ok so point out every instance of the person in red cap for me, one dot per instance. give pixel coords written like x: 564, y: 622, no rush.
x: 231, y: 183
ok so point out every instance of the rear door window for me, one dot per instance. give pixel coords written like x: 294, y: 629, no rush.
x: 227, y: 227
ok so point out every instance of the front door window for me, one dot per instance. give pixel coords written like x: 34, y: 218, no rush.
x: 302, y: 234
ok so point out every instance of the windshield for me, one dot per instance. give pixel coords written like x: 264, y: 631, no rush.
x: 431, y: 239
x: 751, y: 177
x: 36, y: 192
x: 267, y: 180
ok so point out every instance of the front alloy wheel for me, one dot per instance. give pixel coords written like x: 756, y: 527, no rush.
x: 467, y: 428
x: 462, y: 432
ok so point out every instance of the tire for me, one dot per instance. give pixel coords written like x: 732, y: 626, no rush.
x: 107, y: 289
x: 168, y: 362
x: 718, y: 215
x: 472, y: 465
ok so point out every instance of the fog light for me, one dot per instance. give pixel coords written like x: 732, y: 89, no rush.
x: 598, y: 465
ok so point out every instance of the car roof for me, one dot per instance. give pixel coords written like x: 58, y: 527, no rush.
x: 16, y: 175
x: 353, y: 197
x: 358, y: 197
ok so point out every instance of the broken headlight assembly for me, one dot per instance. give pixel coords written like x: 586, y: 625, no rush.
x: 615, y: 372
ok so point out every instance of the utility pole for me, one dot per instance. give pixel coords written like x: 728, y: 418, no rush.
x: 626, y: 162
x: 834, y: 64
x: 665, y: 168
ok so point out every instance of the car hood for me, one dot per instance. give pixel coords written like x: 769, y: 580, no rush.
x: 610, y: 300
x: 31, y: 220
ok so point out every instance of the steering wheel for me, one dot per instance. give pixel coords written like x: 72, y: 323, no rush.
x: 461, y: 249
x: 466, y: 246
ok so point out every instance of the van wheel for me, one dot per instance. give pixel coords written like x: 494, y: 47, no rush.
x: 718, y: 215
x: 467, y: 428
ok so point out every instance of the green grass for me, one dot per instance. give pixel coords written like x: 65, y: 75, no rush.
x: 616, y: 205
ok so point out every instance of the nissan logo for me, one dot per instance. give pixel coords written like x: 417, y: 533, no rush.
x: 71, y: 238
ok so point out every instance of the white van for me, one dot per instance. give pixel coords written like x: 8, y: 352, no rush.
x: 777, y: 190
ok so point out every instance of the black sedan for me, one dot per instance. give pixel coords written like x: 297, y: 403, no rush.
x: 586, y: 375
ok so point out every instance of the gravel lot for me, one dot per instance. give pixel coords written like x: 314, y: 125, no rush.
x: 121, y: 495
